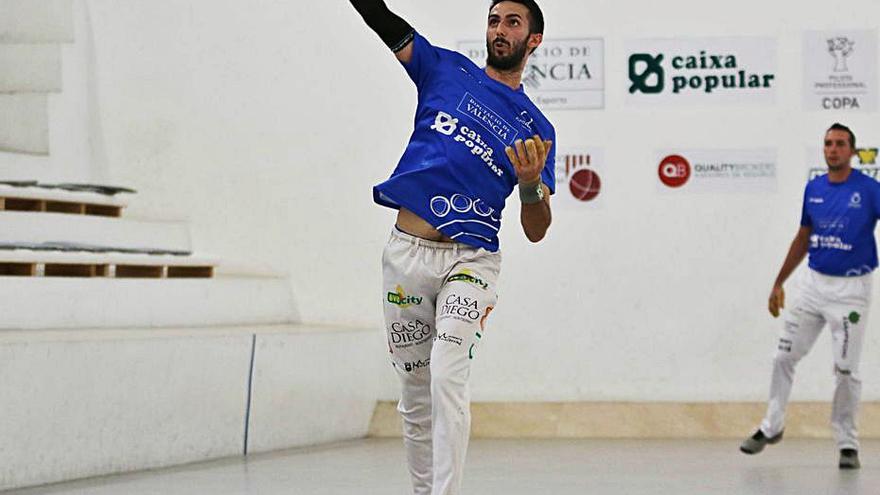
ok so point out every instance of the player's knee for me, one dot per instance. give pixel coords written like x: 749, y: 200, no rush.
x: 415, y: 409
x: 448, y: 374
x: 786, y: 358
x: 786, y: 353
x: 845, y: 371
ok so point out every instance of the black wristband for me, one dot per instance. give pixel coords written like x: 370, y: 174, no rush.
x: 394, y: 31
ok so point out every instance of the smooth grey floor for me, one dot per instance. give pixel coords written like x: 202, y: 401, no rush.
x: 517, y: 467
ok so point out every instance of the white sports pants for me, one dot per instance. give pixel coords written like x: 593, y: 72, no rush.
x: 436, y: 298
x: 842, y: 304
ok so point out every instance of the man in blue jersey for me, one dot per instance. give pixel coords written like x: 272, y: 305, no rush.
x: 840, y: 211
x: 477, y: 136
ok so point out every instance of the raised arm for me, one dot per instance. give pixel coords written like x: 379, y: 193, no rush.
x: 394, y: 31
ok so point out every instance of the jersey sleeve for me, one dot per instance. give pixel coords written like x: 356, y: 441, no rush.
x: 425, y: 57
x: 806, y: 221
x: 875, y: 196
x: 548, y: 175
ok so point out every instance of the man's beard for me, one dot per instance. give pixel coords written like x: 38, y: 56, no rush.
x: 508, y: 62
x: 835, y: 166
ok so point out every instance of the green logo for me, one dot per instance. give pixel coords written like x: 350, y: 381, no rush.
x: 854, y: 317
x: 400, y: 298
x: 467, y: 276
x: 700, y: 72
x: 641, y: 67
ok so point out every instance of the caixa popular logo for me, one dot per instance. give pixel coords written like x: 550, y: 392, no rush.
x: 470, y: 139
x: 445, y: 124
x: 701, y: 72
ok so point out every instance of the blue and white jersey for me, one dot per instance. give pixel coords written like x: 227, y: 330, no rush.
x: 842, y: 217
x: 454, y: 173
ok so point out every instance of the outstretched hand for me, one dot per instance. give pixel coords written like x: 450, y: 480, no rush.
x: 528, y: 158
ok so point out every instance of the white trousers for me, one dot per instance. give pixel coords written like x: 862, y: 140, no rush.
x: 842, y: 304
x: 437, y: 297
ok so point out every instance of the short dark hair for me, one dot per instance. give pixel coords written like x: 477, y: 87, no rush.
x: 536, y: 17
x: 837, y: 126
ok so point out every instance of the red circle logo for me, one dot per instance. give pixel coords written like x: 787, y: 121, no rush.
x: 674, y: 171
x: 585, y: 185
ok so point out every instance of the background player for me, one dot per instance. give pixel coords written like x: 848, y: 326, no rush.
x: 840, y: 211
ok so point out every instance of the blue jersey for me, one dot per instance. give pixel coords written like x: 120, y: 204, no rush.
x: 454, y: 173
x: 842, y: 217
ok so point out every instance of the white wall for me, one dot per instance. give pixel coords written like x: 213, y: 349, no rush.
x: 266, y: 123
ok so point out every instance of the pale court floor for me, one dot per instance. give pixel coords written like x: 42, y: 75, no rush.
x: 516, y: 467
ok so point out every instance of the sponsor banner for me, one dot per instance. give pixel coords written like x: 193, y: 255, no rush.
x: 701, y: 71
x: 579, y: 178
x: 716, y: 170
x: 564, y: 74
x: 866, y: 160
x: 840, y: 70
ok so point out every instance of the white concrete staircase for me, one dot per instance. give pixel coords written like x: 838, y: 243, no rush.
x: 107, y: 375
x: 32, y: 303
x: 38, y: 227
x: 24, y: 123
x: 31, y: 34
x: 36, y: 21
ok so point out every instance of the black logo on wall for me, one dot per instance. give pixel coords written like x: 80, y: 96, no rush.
x: 702, y: 72
x: 646, y: 73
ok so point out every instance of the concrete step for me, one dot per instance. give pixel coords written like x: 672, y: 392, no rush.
x: 15, y: 166
x: 91, y: 402
x: 30, y: 68
x: 67, y: 193
x: 36, y: 21
x: 72, y: 303
x: 33, y: 227
x: 24, y: 123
